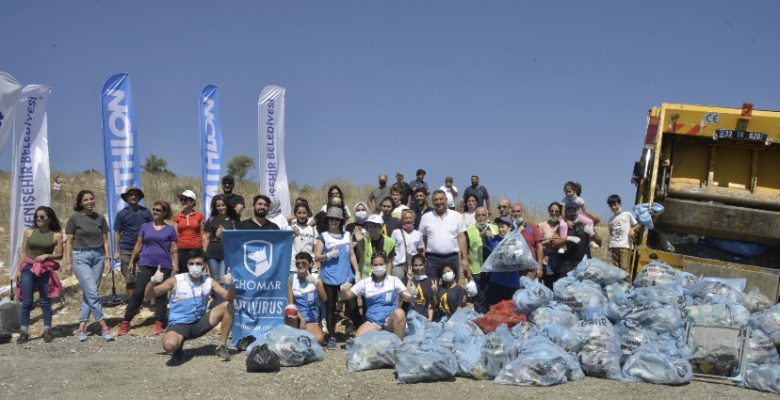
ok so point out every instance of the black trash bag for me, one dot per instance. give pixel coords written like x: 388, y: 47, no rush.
x: 5, y: 337
x: 262, y: 359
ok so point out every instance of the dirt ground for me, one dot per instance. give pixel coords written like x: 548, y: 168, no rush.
x: 135, y: 366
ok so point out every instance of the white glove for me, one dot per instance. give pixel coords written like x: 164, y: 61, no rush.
x: 311, y: 279
x: 572, y: 239
x: 332, y: 254
x: 413, y: 292
x: 589, y: 230
x: 471, y: 289
x: 158, y: 276
x: 346, y: 286
x: 227, y: 279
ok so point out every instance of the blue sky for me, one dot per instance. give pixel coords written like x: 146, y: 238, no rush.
x: 527, y: 95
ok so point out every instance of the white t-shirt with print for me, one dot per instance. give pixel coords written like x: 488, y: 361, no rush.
x: 619, y: 226
x: 413, y: 239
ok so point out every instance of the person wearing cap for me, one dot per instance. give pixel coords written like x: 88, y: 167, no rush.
x: 304, y: 292
x: 234, y: 200
x: 444, y: 235
x: 373, y: 243
x: 127, y: 223
x: 451, y: 191
x: 477, y: 236
x: 189, y: 227
x: 406, y: 190
x: 189, y: 317
x: 378, y: 193
x: 333, y: 250
x: 381, y: 292
x: 259, y: 221
x: 419, y: 182
x: 578, y: 238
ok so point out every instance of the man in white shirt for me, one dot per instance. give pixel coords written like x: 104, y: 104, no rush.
x: 444, y: 235
x: 451, y: 191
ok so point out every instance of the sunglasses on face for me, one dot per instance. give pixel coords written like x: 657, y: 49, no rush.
x: 184, y: 199
x: 157, y: 210
x: 41, y: 218
x: 500, y: 206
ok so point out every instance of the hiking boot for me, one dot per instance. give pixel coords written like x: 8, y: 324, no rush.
x: 82, y: 335
x: 158, y: 328
x: 23, y: 338
x: 124, y: 327
x: 222, y: 352
x: 106, y: 334
x: 48, y: 336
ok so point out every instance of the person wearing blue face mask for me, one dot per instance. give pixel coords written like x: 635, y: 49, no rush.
x: 189, y: 317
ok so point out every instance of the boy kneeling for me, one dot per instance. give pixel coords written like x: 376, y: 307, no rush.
x: 188, y: 317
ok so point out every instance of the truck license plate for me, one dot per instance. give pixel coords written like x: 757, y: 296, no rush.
x: 741, y: 135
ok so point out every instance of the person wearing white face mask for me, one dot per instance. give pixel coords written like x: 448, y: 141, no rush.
x: 416, y: 280
x: 189, y: 318
x: 450, y: 296
x: 304, y: 292
x: 357, y: 226
x: 381, y: 292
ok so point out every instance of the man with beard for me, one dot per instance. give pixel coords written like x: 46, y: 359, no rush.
x: 127, y: 223
x: 234, y: 200
x: 483, y: 198
x: 421, y: 206
x: 260, y: 205
x: 378, y: 194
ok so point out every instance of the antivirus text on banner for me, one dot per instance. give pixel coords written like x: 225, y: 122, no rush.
x: 259, y: 262
x: 10, y: 90
x: 270, y: 136
x: 30, y: 185
x: 210, y: 146
x: 120, y: 148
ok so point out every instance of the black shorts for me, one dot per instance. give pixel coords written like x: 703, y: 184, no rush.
x: 193, y: 330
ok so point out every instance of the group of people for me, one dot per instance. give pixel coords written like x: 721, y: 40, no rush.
x: 389, y: 255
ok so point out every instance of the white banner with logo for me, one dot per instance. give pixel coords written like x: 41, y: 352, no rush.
x: 270, y: 136
x: 30, y: 186
x: 10, y: 90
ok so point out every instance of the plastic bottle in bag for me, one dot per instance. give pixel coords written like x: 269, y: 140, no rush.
x: 650, y: 364
x: 600, y: 355
x: 424, y: 361
x: 372, y: 350
x: 498, y: 350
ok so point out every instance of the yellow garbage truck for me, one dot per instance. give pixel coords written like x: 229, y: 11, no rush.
x: 716, y: 172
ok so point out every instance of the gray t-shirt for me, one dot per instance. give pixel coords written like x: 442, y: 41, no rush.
x: 87, y: 230
x: 377, y: 195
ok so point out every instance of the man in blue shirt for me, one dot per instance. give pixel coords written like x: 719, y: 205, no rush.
x: 127, y: 223
x: 483, y: 198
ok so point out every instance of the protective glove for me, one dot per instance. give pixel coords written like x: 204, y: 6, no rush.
x: 413, y: 292
x: 346, y: 286
x: 227, y: 279
x: 332, y: 254
x: 158, y: 276
x: 573, y: 239
x: 471, y: 289
x: 589, y: 230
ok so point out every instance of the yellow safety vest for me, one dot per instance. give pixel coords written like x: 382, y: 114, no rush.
x: 368, y: 251
x: 475, y: 247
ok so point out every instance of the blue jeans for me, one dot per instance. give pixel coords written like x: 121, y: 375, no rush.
x: 88, y: 267
x: 28, y: 281
x: 217, y: 270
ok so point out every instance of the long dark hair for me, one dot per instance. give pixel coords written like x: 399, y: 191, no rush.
x: 231, y: 212
x: 54, y: 223
x: 79, y: 197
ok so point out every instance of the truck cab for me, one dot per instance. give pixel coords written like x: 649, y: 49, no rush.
x: 716, y: 172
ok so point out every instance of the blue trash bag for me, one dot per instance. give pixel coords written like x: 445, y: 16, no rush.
x: 419, y: 327
x: 762, y: 370
x: 715, y: 292
x: 468, y: 353
x: 531, y: 297
x: 525, y: 330
x: 657, y: 273
x: 765, y: 378
x: 372, y: 350
x: 545, y: 362
x: 600, y: 355
x: 295, y: 347
x: 555, y: 313
x: 688, y: 279
x: 738, y: 284
x: 582, y: 296
x: 511, y: 254
x: 658, y: 318
x: 761, y: 350
x: 619, y: 302
x: 424, y: 361
x: 461, y: 322
x: 768, y: 321
x: 497, y: 351
x: 570, y: 340
x: 598, y: 271
x: 631, y: 336
x: 745, y: 249
x: 755, y: 301
x: 651, y: 363
x: 644, y: 214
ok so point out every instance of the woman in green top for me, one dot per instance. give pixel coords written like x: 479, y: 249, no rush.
x: 41, y: 243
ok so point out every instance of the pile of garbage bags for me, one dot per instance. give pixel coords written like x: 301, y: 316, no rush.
x: 292, y: 347
x: 593, y: 323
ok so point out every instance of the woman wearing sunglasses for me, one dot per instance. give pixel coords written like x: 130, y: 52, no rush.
x: 156, y: 254
x: 85, y: 254
x: 189, y: 228
x: 41, y: 246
